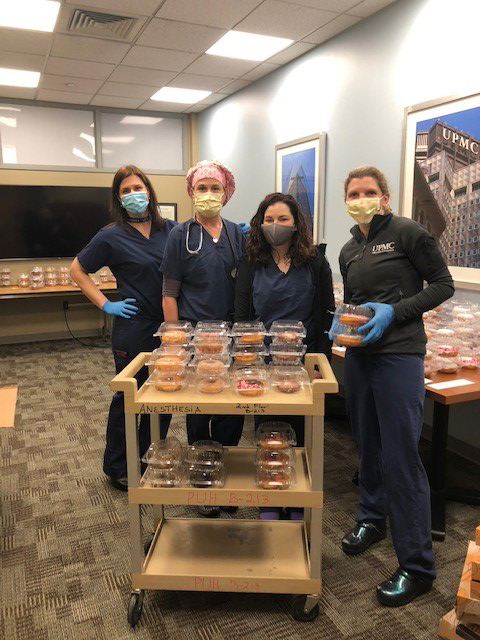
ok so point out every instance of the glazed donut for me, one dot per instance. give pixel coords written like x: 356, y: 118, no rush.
x: 210, y: 367
x: 169, y: 364
x: 174, y: 336
x: 251, y: 338
x: 273, y: 458
x: 168, y: 385
x: 209, y: 346
x: 352, y: 319
x: 278, y: 480
x: 211, y: 385
x: 346, y: 340
x: 288, y: 386
x: 291, y: 337
x: 245, y: 357
x: 274, y: 441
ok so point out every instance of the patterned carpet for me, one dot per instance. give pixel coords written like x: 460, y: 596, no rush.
x: 64, y: 536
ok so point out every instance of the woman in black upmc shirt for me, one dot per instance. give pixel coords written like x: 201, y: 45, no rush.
x: 384, y: 266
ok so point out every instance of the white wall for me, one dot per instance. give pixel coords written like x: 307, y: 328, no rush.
x: 355, y: 87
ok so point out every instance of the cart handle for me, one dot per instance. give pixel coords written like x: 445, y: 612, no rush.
x: 327, y: 383
x: 125, y: 381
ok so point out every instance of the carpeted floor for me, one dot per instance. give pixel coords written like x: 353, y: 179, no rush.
x: 64, y: 537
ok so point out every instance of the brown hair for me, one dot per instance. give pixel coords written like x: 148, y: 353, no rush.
x: 117, y: 212
x: 259, y: 251
x: 371, y: 172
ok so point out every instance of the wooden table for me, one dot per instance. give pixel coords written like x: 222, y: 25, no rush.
x: 443, y: 399
x: 19, y: 293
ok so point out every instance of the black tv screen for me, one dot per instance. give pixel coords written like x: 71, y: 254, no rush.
x: 50, y: 222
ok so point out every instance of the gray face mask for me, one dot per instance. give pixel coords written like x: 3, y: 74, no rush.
x: 276, y: 234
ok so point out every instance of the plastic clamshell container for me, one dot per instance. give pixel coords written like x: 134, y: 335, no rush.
x: 274, y: 458
x: 448, y: 365
x: 209, y: 342
x: 447, y: 350
x: 253, y: 332
x: 210, y: 331
x: 288, y: 331
x: 352, y: 315
x: 169, y: 359
x: 213, y: 383
x: 257, y: 361
x: 212, y: 325
x: 168, y: 383
x: 347, y: 336
x: 470, y: 362
x: 287, y: 354
x: 156, y: 477
x: 177, y: 333
x: 289, y: 379
x: 248, y: 354
x: 211, y: 364
x: 275, y: 436
x: 205, y: 477
x: 164, y: 454
x: 278, y: 479
x: 251, y: 381
x: 205, y: 453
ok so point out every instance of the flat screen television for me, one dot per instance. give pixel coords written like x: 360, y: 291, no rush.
x: 50, y: 222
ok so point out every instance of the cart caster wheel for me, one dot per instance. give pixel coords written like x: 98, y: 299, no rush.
x: 299, y: 612
x: 148, y: 543
x: 135, y: 607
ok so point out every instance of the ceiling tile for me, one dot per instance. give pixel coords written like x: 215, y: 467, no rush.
x: 295, y: 50
x: 367, y: 7
x: 25, y: 41
x: 154, y: 105
x: 329, y: 5
x: 213, y: 13
x: 115, y: 101
x: 63, y: 96
x: 220, y: 66
x: 260, y: 71
x: 141, y: 7
x: 136, y: 75
x: 126, y: 90
x: 17, y: 92
x: 26, y: 61
x: 190, y: 81
x: 234, y: 86
x: 79, y: 68
x: 179, y: 36
x: 284, y: 20
x: 332, y: 29
x: 207, y: 102
x: 59, y: 83
x: 93, y: 49
x: 152, y: 58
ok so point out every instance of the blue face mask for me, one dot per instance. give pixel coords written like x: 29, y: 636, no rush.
x: 135, y: 203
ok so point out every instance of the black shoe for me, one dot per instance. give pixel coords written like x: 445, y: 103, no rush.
x: 402, y: 588
x: 362, y: 536
x: 119, y: 483
x: 208, y: 512
x: 229, y: 509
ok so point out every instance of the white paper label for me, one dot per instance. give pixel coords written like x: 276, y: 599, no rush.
x: 427, y: 381
x: 450, y: 384
x: 340, y: 349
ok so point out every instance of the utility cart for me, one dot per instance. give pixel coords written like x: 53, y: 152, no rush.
x: 234, y: 554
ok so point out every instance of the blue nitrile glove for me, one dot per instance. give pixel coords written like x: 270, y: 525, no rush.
x: 383, y: 318
x: 333, y: 329
x: 123, y: 308
x: 244, y: 226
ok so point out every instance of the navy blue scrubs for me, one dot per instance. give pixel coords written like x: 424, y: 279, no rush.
x: 207, y: 292
x: 285, y: 296
x: 136, y: 262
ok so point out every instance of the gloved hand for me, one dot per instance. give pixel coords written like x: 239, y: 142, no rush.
x: 123, y: 308
x: 333, y: 329
x: 383, y: 318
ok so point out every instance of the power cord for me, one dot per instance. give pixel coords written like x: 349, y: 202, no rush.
x: 84, y: 344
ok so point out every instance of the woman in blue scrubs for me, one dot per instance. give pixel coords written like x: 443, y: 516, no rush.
x: 133, y: 248
x: 284, y: 276
x: 200, y: 266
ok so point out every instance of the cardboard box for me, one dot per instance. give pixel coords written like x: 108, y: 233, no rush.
x: 448, y: 626
x: 467, y: 604
x: 468, y: 631
x: 477, y: 536
x: 476, y: 570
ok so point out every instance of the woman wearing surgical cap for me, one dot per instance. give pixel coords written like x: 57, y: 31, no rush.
x: 200, y: 266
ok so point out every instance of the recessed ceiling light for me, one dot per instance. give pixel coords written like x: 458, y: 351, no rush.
x: 183, y: 96
x: 248, y: 46
x: 36, y: 15
x: 140, y: 120
x: 19, y: 78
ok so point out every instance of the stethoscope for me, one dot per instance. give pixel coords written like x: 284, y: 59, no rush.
x: 196, y: 251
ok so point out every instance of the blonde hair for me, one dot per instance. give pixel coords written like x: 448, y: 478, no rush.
x: 372, y: 172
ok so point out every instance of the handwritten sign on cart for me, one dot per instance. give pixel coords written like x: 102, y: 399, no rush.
x: 200, y: 583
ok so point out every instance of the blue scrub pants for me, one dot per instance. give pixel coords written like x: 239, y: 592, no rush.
x: 385, y: 395
x: 224, y: 429
x: 129, y: 338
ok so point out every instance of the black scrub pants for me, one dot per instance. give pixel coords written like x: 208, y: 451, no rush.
x: 224, y: 429
x: 129, y: 338
x: 385, y: 396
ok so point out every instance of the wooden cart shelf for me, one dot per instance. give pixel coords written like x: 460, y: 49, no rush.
x: 240, y: 489
x: 190, y: 554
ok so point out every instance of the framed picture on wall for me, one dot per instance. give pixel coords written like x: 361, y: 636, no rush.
x: 168, y: 210
x: 300, y: 171
x: 440, y: 182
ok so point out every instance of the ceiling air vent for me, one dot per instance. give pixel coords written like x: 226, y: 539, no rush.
x: 104, y: 25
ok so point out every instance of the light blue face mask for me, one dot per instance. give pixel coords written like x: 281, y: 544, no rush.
x: 135, y: 203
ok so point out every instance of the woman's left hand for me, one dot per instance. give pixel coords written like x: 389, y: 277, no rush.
x: 383, y: 318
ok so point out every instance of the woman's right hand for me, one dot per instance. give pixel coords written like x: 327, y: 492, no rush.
x: 123, y: 308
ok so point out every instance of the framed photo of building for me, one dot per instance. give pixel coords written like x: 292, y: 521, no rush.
x: 440, y: 182
x: 168, y: 210
x: 300, y: 171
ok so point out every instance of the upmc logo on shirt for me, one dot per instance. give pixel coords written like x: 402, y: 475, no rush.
x: 385, y: 247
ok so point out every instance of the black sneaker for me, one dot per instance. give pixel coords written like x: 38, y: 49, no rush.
x: 362, y: 537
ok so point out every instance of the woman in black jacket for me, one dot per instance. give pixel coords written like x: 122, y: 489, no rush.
x: 284, y: 276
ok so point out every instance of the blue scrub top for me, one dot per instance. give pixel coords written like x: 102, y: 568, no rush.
x: 207, y: 289
x: 134, y: 260
x: 284, y: 296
